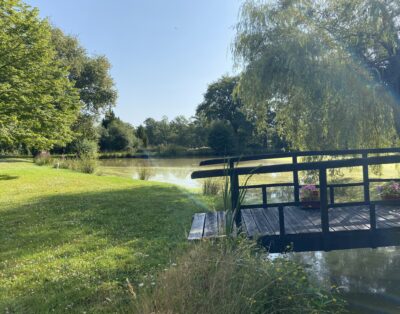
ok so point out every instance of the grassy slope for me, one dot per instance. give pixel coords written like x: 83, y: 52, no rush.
x: 70, y: 240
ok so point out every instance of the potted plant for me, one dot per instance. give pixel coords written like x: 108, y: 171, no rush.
x: 390, y: 191
x: 309, y: 197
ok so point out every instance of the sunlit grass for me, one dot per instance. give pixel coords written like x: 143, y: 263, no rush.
x: 69, y: 240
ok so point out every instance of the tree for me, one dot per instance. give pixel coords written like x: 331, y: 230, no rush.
x: 220, y: 103
x: 370, y: 30
x: 118, y: 136
x: 295, y: 66
x: 157, y: 132
x: 141, y: 134
x: 90, y: 75
x: 221, y: 138
x: 38, y: 104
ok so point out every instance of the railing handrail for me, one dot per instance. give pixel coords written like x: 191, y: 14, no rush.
x: 330, y: 164
x: 217, y: 161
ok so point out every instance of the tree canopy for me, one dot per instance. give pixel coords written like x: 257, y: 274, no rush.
x: 38, y: 104
x: 307, y: 61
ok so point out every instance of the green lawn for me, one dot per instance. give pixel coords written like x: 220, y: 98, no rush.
x: 69, y: 241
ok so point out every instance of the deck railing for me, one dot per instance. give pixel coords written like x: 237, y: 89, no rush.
x: 327, y: 191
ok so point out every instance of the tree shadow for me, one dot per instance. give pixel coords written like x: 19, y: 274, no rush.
x: 88, y: 243
x: 7, y: 177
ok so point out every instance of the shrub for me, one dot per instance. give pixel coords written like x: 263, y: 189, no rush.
x: 144, y: 172
x: 232, y: 277
x: 43, y: 158
x: 86, y: 149
x: 211, y: 187
x: 87, y: 165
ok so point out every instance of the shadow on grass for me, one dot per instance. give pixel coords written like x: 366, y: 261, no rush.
x: 7, y: 177
x: 79, y: 248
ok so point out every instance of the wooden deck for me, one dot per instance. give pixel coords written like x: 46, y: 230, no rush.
x: 302, y: 228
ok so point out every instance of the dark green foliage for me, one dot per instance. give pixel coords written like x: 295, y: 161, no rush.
x: 141, y: 134
x: 220, y: 104
x: 85, y: 148
x: 117, y: 135
x: 37, y: 102
x: 222, y: 138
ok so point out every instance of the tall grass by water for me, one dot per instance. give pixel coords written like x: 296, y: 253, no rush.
x: 232, y: 276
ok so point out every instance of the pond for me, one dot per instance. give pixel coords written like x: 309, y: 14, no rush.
x: 369, y: 278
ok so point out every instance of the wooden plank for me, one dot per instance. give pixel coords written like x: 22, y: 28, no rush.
x: 251, y: 226
x: 221, y: 223
x: 262, y: 222
x: 388, y: 216
x: 272, y: 215
x: 196, y: 231
x: 273, y: 223
x: 358, y: 217
x: 294, y: 223
x: 211, y: 225
x: 303, y: 219
x: 336, y: 220
x: 348, y: 219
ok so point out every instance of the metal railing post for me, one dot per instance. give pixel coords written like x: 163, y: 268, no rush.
x: 324, y: 200
x: 296, y: 181
x: 366, y: 178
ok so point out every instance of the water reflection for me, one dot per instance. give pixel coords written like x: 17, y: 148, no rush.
x: 369, y: 278
x: 175, y: 171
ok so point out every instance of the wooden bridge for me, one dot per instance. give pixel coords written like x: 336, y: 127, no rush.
x: 285, y: 226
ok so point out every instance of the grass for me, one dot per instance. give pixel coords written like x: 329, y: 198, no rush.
x: 70, y: 240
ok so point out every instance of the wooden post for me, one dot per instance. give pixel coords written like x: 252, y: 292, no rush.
x: 324, y: 201
x: 332, y: 195
x: 366, y: 179
x: 234, y: 178
x: 296, y: 181
x: 264, y: 196
x: 281, y: 221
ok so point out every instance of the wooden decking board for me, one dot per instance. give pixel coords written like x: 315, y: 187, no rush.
x: 251, y: 225
x: 196, y: 232
x: 211, y: 225
x: 272, y: 215
x: 356, y: 219
x: 345, y: 219
x: 390, y: 216
x: 363, y: 213
x: 262, y: 222
x: 272, y: 218
x: 304, y: 218
x: 298, y: 223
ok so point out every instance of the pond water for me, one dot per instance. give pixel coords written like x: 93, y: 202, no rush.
x: 368, y: 278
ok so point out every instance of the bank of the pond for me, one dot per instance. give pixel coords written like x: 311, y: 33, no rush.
x: 69, y: 240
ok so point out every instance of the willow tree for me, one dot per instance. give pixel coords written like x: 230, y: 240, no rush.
x: 38, y: 104
x: 294, y: 64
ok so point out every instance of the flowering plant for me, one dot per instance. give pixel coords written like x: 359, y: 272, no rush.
x: 390, y: 190
x: 309, y: 192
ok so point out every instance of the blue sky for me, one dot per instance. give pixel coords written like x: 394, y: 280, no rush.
x: 163, y: 53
